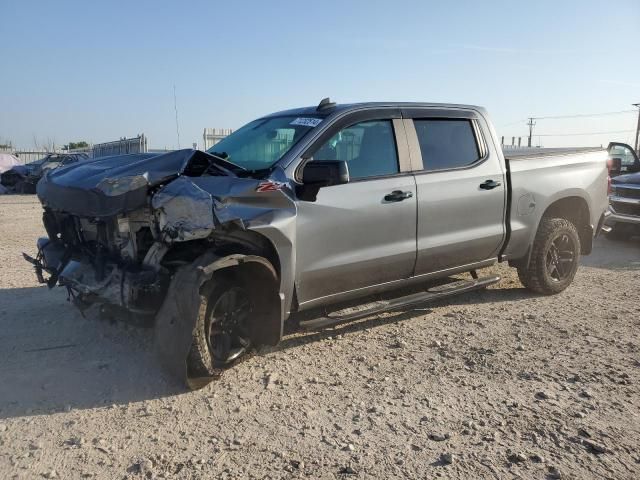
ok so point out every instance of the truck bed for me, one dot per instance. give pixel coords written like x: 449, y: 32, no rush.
x: 519, y: 153
x: 541, y: 176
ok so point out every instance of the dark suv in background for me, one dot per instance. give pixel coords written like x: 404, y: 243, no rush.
x: 624, y: 210
x: 23, y: 178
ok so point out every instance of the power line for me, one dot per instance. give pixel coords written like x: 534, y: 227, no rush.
x: 551, y: 117
x: 513, y: 123
x: 578, y: 134
x: 579, y: 115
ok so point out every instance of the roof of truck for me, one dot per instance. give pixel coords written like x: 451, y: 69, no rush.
x: 342, y: 107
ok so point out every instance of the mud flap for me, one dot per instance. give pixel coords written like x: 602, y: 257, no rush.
x: 176, y: 319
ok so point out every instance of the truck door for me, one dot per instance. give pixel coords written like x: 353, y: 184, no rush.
x: 622, y: 159
x: 362, y: 233
x: 461, y: 191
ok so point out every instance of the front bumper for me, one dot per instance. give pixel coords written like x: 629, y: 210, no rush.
x: 9, y: 178
x: 612, y: 217
x: 96, y: 280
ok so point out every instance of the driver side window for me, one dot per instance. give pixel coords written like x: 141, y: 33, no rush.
x: 628, y: 161
x: 369, y: 148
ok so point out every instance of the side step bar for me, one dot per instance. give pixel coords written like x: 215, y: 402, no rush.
x: 432, y: 294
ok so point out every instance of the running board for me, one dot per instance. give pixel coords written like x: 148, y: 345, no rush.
x: 432, y: 294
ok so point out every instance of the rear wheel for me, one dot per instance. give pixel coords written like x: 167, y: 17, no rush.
x: 221, y: 333
x: 554, y: 258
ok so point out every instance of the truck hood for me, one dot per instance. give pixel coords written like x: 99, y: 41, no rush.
x: 179, y: 186
x: 629, y: 178
x: 111, y: 185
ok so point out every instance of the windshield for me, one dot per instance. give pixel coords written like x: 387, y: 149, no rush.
x: 261, y: 143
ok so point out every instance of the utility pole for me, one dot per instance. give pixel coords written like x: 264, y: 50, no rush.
x: 175, y: 107
x: 637, y: 127
x: 531, y: 125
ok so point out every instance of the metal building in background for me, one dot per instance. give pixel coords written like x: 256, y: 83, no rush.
x: 120, y: 147
x: 211, y: 136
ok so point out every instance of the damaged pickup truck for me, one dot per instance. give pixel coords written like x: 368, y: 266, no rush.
x: 307, y: 208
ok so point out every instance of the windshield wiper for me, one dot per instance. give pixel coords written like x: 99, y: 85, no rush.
x: 221, y: 159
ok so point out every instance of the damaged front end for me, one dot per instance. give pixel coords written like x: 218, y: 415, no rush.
x: 110, y: 261
x: 110, y: 223
x: 121, y: 229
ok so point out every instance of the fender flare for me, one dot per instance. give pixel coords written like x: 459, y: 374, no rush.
x: 176, y: 319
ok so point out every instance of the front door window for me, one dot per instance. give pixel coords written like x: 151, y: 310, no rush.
x: 369, y: 148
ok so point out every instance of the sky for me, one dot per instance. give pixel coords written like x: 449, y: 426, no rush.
x: 98, y: 71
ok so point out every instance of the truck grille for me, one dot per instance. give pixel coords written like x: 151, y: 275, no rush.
x: 626, y: 208
x: 627, y: 192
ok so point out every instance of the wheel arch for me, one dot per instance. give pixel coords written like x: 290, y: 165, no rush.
x: 176, y: 319
x: 229, y: 242
x: 574, y: 209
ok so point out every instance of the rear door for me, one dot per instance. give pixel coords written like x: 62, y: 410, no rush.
x: 358, y: 234
x: 461, y: 190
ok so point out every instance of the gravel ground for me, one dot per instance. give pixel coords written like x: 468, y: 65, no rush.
x: 499, y: 383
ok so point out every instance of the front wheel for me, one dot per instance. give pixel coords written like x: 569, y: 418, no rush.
x: 221, y: 333
x: 554, y: 257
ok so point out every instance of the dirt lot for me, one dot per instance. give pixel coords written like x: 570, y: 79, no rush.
x: 499, y: 383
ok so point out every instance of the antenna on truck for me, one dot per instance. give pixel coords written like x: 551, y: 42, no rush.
x: 325, y: 104
x: 175, y: 107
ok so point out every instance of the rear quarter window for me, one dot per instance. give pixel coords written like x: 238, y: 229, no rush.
x: 446, y: 143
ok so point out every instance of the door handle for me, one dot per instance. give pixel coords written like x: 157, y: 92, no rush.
x: 397, y: 196
x: 489, y: 184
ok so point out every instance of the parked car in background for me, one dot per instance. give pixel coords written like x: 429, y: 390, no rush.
x: 623, y: 217
x: 23, y: 178
x: 7, y: 162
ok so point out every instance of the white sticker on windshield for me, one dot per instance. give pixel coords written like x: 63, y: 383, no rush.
x: 307, y: 122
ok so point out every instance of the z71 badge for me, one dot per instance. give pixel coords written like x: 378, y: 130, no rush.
x: 269, y: 186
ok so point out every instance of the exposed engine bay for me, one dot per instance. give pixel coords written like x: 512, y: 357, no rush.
x: 119, y: 229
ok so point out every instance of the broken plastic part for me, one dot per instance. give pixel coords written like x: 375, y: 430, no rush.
x: 184, y: 210
x: 176, y: 319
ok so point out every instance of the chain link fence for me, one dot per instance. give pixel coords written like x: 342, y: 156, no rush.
x: 137, y: 144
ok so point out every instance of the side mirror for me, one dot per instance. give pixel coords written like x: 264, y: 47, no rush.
x: 325, y: 172
x: 321, y: 173
x: 615, y: 166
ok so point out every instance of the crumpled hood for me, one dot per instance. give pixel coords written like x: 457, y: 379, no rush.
x: 89, y: 174
x: 111, y: 185
x: 629, y: 178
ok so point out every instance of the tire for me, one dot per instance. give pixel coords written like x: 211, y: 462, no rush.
x: 29, y: 188
x: 18, y: 187
x: 220, y: 335
x: 554, y: 257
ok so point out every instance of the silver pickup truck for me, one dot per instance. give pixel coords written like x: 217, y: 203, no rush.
x: 313, y: 207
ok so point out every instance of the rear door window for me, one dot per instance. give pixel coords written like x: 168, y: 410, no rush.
x: 446, y: 143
